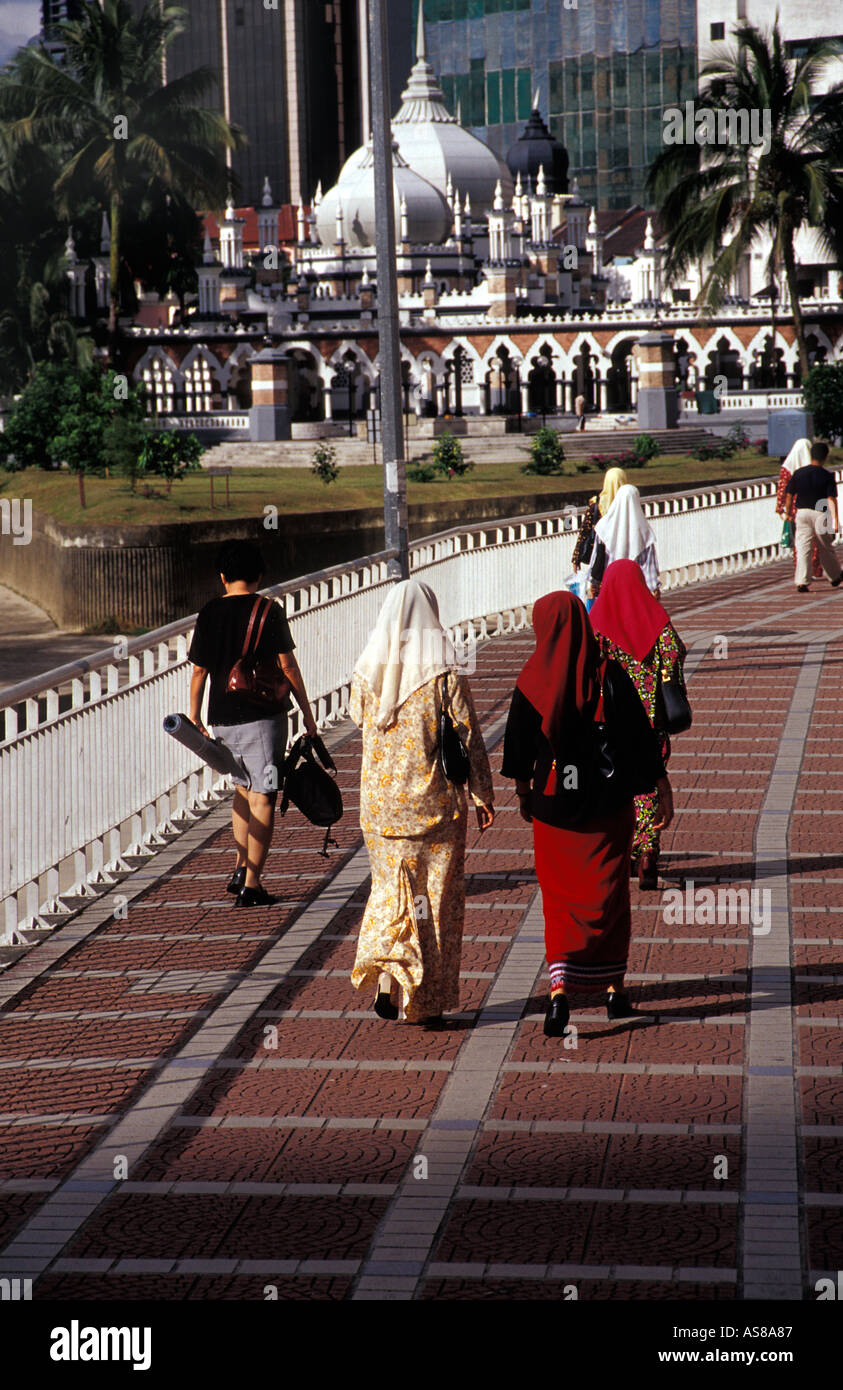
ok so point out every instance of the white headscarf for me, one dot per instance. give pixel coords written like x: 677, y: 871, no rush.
x: 407, y: 648
x: 624, y: 530
x: 799, y: 456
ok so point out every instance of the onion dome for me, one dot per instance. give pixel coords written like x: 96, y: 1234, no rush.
x: 434, y: 143
x: 420, y: 209
x: 537, y: 149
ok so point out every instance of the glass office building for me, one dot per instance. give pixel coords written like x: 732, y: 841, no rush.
x: 604, y: 72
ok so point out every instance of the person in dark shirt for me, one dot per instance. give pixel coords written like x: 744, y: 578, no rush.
x: 583, y: 820
x: 812, y: 501
x: 257, y: 742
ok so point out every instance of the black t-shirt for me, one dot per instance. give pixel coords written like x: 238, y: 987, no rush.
x: 527, y: 756
x: 218, y: 642
x: 809, y: 485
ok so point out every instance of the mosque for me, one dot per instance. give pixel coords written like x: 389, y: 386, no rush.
x: 514, y: 295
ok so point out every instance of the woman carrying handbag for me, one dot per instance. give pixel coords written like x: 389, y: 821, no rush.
x: 579, y: 747
x: 423, y: 757
x: 634, y: 629
x: 242, y: 642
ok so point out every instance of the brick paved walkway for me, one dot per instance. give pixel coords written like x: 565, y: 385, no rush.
x: 194, y: 1103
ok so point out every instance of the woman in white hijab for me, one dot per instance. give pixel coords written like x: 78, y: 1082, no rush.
x: 414, y: 820
x: 624, y: 533
x: 799, y: 457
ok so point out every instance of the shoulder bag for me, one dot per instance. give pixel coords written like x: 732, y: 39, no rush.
x: 673, y: 710
x: 258, y: 682
x: 309, y: 787
x: 453, y: 757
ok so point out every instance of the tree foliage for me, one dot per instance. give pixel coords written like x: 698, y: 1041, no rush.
x: 824, y: 398
x: 717, y: 201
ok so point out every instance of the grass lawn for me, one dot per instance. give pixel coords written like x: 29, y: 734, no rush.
x: 291, y: 490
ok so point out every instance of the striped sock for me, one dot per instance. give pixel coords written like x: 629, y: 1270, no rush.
x: 557, y: 976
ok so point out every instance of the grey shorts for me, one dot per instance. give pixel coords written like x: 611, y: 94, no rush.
x: 258, y: 747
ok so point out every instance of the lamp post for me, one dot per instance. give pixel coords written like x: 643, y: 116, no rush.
x: 395, y: 480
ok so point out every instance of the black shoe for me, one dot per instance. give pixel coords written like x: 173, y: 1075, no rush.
x: 836, y: 581
x: 237, y: 880
x: 618, y: 1006
x: 802, y: 588
x: 384, y: 1007
x: 556, y: 1018
x: 255, y: 897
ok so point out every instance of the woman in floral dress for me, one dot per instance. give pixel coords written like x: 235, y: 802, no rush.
x: 632, y: 628
x: 414, y: 820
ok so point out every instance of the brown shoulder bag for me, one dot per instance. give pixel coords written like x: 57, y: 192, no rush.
x: 259, y: 683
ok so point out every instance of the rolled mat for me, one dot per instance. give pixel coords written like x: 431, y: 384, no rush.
x: 210, y: 750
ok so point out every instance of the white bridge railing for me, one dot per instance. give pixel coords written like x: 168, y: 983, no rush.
x: 90, y: 783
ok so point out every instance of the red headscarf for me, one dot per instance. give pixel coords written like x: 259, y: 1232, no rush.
x: 626, y: 611
x: 560, y: 678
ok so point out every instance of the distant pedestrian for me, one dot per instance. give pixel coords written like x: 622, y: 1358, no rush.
x: 633, y: 629
x: 258, y: 742
x: 582, y: 819
x: 414, y: 819
x: 799, y: 457
x: 579, y: 411
x: 596, y: 507
x: 624, y: 533
x: 812, y: 503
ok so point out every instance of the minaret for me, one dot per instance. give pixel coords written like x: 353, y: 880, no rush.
x: 208, y: 274
x: 594, y: 244
x: 268, y: 222
x: 102, y: 266
x: 76, y: 274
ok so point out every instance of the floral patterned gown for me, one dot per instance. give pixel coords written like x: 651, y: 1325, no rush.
x: 414, y: 823
x: 670, y: 652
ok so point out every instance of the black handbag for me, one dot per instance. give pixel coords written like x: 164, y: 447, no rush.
x: 453, y: 757
x: 310, y: 788
x: 673, y: 710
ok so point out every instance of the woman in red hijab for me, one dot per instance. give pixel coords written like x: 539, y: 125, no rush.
x: 632, y: 628
x: 580, y: 747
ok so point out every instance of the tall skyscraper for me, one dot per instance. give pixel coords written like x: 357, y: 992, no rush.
x: 52, y: 13
x: 604, y: 72
x: 295, y: 77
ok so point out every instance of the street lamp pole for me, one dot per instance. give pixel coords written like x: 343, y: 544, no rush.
x: 395, y: 480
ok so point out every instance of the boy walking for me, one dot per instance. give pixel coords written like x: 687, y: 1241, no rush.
x: 258, y: 742
x: 812, y: 501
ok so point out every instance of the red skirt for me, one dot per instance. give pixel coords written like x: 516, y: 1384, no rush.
x: 584, y: 878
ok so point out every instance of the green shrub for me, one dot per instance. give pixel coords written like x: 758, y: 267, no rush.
x: 421, y: 472
x: 737, y: 438
x: 823, y: 392
x: 448, y: 457
x: 546, y: 453
x: 644, y: 448
x: 324, y: 463
x: 170, y: 454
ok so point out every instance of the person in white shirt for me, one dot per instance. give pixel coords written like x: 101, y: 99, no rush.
x: 624, y: 533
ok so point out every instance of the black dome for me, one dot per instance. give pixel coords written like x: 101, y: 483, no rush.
x: 537, y: 149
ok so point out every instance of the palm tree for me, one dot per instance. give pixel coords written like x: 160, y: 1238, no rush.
x: 717, y: 201
x: 102, y: 103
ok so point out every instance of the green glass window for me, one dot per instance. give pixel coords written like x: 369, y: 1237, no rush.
x: 493, y: 98
x: 450, y: 90
x: 476, y: 113
x: 508, y: 95
x: 524, y: 89
x: 557, y: 87
x: 463, y: 95
x: 475, y: 9
x: 587, y: 83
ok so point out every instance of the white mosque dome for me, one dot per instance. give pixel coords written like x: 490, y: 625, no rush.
x: 436, y: 146
x: 428, y: 216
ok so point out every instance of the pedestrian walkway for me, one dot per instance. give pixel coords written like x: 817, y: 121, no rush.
x: 195, y: 1104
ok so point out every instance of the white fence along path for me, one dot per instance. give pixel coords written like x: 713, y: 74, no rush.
x: 91, y: 785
